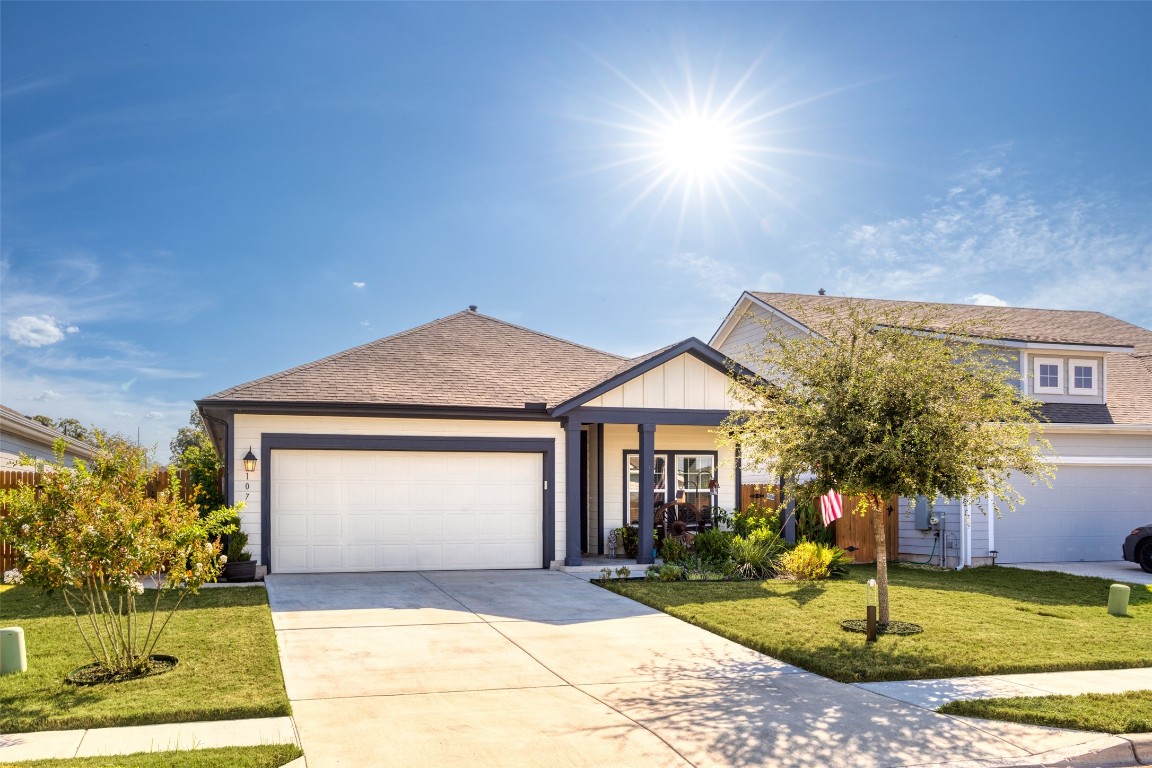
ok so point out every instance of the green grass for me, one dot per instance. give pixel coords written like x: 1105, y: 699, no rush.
x: 228, y: 668
x: 270, y: 756
x: 979, y: 621
x: 1105, y: 712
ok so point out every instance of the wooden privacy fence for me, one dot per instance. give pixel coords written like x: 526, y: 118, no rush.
x: 13, y: 478
x: 853, y: 531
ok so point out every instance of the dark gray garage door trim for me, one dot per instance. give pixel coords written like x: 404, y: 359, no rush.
x: 278, y: 441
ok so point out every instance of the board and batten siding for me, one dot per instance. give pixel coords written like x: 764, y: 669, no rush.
x: 621, y: 438
x: 682, y: 382
x: 250, y: 427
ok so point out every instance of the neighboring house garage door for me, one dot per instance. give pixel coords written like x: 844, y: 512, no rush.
x: 1084, y: 516
x: 366, y: 510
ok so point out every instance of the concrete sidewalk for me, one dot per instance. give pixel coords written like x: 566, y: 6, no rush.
x: 97, y: 742
x: 930, y: 694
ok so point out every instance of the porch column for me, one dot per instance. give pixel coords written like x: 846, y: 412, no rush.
x: 647, y: 471
x: 572, y: 460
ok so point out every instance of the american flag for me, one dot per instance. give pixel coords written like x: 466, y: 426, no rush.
x: 831, y: 507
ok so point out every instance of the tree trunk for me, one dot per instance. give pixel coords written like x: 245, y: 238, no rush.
x: 880, y: 546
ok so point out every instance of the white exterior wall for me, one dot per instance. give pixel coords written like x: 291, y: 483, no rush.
x: 619, y: 438
x: 682, y: 382
x: 249, y: 428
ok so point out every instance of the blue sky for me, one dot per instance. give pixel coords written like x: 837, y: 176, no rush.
x: 198, y: 194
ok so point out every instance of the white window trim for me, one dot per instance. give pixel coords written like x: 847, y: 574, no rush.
x: 1060, y: 375
x: 1072, y: 388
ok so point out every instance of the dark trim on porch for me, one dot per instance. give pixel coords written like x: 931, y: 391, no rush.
x: 293, y: 441
x: 600, y: 489
x: 691, y: 346
x: 668, y: 416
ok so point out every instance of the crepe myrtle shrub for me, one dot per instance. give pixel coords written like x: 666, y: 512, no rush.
x: 91, y: 531
x: 890, y: 402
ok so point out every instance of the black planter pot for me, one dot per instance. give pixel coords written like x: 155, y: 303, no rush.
x: 242, y: 570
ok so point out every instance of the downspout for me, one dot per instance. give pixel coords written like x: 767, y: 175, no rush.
x: 968, y: 537
x: 991, y: 525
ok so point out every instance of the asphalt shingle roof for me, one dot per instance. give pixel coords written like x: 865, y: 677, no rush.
x: 464, y: 360
x: 1129, y: 374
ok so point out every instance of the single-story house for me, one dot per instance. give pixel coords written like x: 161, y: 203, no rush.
x: 1093, y: 374
x: 469, y: 443
x: 20, y: 434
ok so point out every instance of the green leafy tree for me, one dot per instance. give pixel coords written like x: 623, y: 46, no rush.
x: 47, y: 421
x: 872, y: 409
x: 192, y: 450
x: 74, y: 429
x: 192, y: 435
x: 94, y: 533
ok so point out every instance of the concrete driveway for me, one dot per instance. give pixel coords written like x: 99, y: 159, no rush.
x: 1114, y: 570
x: 532, y: 668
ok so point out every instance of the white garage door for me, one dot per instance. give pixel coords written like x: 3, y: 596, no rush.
x: 399, y: 510
x: 1084, y: 516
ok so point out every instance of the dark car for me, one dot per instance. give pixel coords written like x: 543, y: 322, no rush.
x: 1138, y: 547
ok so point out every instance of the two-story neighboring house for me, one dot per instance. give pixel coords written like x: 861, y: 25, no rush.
x: 1093, y: 374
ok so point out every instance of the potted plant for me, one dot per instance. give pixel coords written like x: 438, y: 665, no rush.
x: 239, y: 565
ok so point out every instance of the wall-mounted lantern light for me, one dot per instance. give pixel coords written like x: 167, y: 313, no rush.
x: 249, y: 461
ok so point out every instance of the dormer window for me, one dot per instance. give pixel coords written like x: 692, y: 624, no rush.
x: 1047, y: 376
x: 1085, y: 377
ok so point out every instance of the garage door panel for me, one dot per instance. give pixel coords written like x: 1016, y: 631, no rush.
x: 292, y: 558
x: 1084, y: 516
x: 387, y: 510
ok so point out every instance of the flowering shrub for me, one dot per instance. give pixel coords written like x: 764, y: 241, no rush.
x: 811, y: 560
x: 92, y: 532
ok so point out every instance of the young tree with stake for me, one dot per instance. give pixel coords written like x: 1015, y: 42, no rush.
x: 877, y: 404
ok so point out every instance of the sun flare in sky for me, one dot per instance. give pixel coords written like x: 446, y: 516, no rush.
x: 701, y: 148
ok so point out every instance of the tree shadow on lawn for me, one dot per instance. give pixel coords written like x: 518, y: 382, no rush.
x: 1040, y: 587
x: 1015, y: 584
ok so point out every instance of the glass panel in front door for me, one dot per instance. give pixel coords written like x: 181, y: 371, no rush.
x: 694, y: 475
x: 659, y: 484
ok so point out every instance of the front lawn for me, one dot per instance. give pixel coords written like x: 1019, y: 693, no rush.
x: 269, y: 756
x: 228, y: 669
x: 980, y: 621
x: 1129, y: 712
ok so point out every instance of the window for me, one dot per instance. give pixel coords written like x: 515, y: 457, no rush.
x: 1084, y: 377
x: 1047, y: 376
x: 693, y: 474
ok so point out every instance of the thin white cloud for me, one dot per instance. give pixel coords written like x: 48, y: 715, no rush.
x: 47, y: 395
x: 153, y: 415
x: 168, y: 373
x: 359, y: 284
x: 71, y: 329
x: 1062, y: 249
x: 985, y: 300
x: 35, y: 330
x: 122, y: 414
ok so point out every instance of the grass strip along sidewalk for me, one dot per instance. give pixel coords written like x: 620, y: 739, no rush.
x: 229, y: 667
x: 979, y: 621
x: 270, y: 756
x: 1129, y: 712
